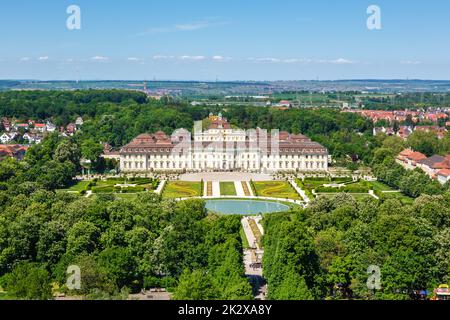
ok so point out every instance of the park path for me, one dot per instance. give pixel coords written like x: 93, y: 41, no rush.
x: 300, y: 191
x: 253, y: 258
x: 216, y: 189
x: 239, y: 190
x: 160, y: 187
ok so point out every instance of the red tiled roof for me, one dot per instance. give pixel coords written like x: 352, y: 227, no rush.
x: 444, y: 173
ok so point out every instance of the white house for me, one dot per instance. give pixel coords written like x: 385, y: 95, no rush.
x: 33, y: 138
x: 8, y: 137
x: 443, y: 176
x: 50, y: 127
x: 79, y: 122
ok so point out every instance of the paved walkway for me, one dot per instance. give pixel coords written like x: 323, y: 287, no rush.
x: 216, y: 188
x: 253, y: 261
x: 160, y: 187
x: 225, y: 176
x: 249, y: 188
x: 300, y: 191
x: 239, y: 190
x: 248, y: 232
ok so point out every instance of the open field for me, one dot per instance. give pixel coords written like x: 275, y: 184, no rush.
x: 182, y: 189
x: 276, y: 189
x: 227, y: 189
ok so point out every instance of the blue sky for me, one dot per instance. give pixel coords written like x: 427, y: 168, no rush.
x: 224, y: 39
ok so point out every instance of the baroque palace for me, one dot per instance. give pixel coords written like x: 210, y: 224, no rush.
x: 223, y: 148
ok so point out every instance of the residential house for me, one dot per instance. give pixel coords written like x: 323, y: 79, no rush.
x: 6, y: 124
x: 50, y: 127
x: 443, y: 176
x: 71, y: 129
x: 439, y: 131
x: 8, y: 137
x: 79, y: 122
x: 12, y: 151
x: 24, y: 126
x: 40, y: 127
x: 432, y: 165
x: 404, y: 132
x: 33, y: 138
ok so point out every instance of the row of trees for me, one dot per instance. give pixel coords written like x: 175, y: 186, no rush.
x: 326, y: 250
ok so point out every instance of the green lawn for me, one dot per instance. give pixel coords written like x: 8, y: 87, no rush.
x: 182, y: 189
x: 78, y: 186
x: 276, y: 189
x: 227, y: 189
x: 245, y: 244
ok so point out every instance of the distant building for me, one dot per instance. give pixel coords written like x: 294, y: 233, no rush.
x: 439, y: 131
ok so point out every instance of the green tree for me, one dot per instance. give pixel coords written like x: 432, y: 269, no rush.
x: 28, y: 281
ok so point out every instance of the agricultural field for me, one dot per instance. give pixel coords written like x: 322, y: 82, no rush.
x: 182, y: 189
x: 276, y: 189
x: 227, y: 189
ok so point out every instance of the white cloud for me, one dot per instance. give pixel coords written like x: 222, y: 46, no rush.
x: 411, y: 62
x: 134, y: 59
x: 24, y: 59
x: 100, y: 59
x: 193, y: 58
x: 161, y: 57
x: 43, y: 58
x: 337, y: 61
x: 192, y: 26
x: 221, y: 58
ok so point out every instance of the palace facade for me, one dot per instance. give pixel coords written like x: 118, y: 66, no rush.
x: 223, y: 148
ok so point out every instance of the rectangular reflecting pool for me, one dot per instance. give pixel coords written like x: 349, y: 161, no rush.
x: 245, y: 207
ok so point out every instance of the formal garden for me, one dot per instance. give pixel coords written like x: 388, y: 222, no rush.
x: 182, y: 189
x: 359, y: 189
x: 114, y: 185
x: 275, y: 189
